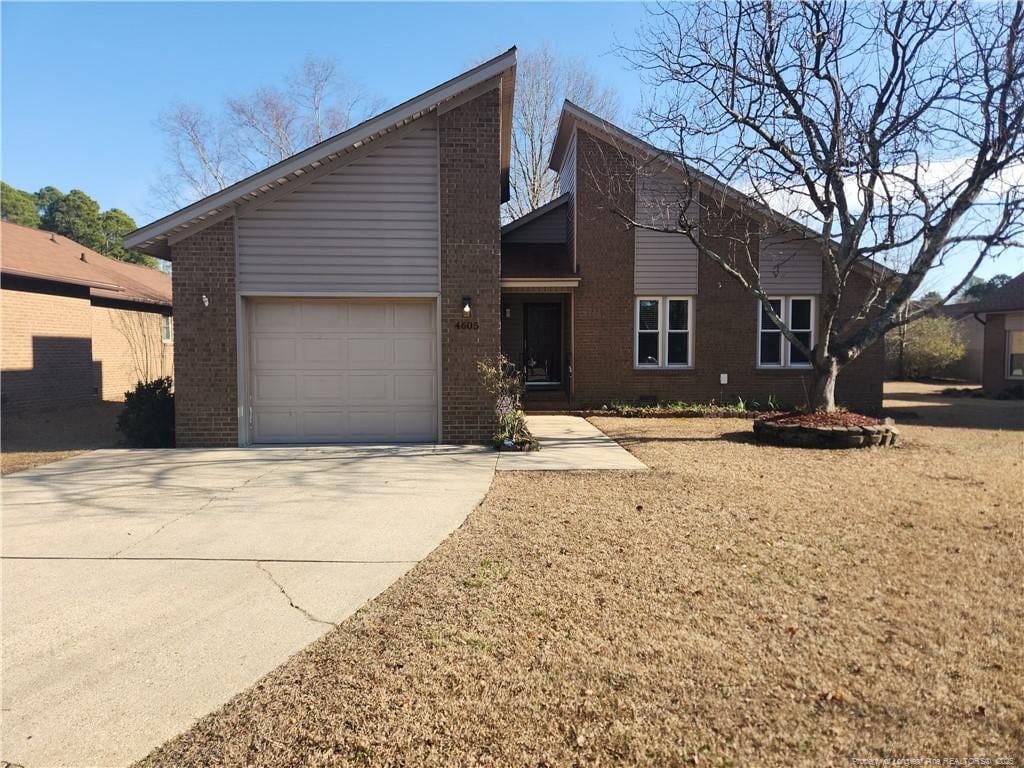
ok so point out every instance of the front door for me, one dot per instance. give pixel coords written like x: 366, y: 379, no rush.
x: 542, y: 343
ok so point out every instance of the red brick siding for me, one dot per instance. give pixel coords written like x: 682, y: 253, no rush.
x: 205, y: 357
x: 993, y: 370
x: 47, y: 350
x: 470, y: 262
x: 725, y: 315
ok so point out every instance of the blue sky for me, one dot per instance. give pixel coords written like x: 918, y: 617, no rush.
x: 83, y: 83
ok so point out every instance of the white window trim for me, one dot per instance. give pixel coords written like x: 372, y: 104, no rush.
x: 663, y: 334
x: 1006, y: 356
x: 785, y: 303
x: 170, y: 325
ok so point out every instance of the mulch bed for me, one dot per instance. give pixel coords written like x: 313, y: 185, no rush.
x: 821, y: 419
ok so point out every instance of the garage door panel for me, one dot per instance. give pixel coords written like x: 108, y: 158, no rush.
x: 333, y: 370
x: 369, y: 316
x: 271, y: 387
x: 323, y: 388
x: 370, y: 352
x: 414, y: 388
x: 415, y: 351
x: 414, y: 317
x: 271, y: 350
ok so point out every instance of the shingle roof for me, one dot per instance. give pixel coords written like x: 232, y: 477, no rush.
x: 34, y: 253
x: 1009, y: 298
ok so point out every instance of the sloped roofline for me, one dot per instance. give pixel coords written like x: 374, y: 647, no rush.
x: 573, y: 113
x: 536, y: 213
x: 153, y: 238
x: 1009, y: 298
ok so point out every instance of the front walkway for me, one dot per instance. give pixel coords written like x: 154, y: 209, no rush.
x: 569, y: 443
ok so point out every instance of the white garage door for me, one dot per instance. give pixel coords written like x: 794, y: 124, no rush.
x: 342, y: 371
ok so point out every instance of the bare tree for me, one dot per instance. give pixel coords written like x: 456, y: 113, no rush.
x: 892, y: 131
x: 544, y: 82
x: 207, y: 153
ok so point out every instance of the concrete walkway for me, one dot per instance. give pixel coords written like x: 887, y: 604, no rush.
x: 569, y: 443
x: 142, y: 589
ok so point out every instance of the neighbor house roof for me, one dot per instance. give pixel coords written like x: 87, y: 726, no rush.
x: 1009, y: 298
x: 156, y: 238
x: 573, y: 115
x: 40, y: 255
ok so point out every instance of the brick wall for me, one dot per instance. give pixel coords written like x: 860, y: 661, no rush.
x: 470, y: 262
x: 993, y: 367
x: 725, y: 315
x: 128, y: 345
x: 205, y: 357
x: 46, y: 351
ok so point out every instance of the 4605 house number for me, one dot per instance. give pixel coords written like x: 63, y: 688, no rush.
x: 468, y: 325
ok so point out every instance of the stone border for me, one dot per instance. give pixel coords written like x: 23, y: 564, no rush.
x: 801, y: 436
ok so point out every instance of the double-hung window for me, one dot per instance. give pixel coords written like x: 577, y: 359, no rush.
x: 664, y: 332
x: 167, y: 329
x: 774, y: 350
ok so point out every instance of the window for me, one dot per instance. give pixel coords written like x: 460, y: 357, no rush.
x: 664, y: 332
x: 1015, y: 355
x: 167, y: 329
x: 773, y: 349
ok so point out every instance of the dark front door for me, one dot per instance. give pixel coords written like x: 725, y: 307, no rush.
x: 542, y: 343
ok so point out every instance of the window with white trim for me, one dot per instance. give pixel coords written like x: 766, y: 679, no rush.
x: 664, y: 332
x: 167, y: 329
x: 774, y: 350
x: 1015, y: 355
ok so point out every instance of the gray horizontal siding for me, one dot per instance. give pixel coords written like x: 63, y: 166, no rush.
x: 549, y: 228
x: 567, y: 176
x: 790, y: 264
x: 371, y: 226
x: 665, y: 263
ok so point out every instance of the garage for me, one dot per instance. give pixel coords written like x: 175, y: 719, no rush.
x: 342, y: 370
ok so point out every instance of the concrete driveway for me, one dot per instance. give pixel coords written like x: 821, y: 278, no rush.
x: 142, y: 589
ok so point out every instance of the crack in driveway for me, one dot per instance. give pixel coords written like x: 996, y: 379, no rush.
x: 291, y: 602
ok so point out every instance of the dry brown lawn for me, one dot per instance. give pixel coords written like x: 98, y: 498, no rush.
x: 33, y: 439
x: 737, y: 605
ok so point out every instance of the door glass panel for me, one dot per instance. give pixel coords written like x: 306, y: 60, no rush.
x: 542, y: 343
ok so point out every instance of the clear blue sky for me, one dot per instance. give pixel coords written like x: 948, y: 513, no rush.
x: 83, y: 83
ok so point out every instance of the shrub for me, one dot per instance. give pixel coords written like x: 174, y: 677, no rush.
x: 929, y: 346
x: 147, y: 419
x: 505, y: 384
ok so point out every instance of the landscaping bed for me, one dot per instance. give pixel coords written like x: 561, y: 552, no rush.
x: 735, y: 605
x: 839, y: 429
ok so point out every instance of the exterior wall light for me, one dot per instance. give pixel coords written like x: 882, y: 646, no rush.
x: 467, y: 306
x: 206, y: 300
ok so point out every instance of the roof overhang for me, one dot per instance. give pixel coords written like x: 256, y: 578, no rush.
x: 57, y: 279
x: 540, y: 282
x: 536, y: 213
x: 574, y: 116
x: 155, y: 238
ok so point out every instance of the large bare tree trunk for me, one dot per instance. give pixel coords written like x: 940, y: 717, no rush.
x: 823, y: 394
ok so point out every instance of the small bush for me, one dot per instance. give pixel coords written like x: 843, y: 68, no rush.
x: 927, y: 347
x: 147, y: 420
x: 505, y: 384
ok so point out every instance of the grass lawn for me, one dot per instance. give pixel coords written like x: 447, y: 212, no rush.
x: 736, y: 605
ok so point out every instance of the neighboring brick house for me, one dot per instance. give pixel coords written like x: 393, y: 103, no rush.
x: 1002, y: 312
x: 347, y: 293
x: 76, y: 326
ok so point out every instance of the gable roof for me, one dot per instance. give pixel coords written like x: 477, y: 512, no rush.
x: 155, y: 238
x: 41, y: 255
x: 573, y: 115
x: 535, y: 214
x: 1009, y: 298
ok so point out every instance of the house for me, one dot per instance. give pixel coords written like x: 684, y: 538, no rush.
x: 347, y: 293
x: 1002, y: 312
x: 77, y: 327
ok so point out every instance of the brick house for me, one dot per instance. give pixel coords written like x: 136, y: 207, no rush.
x: 76, y: 326
x: 1002, y: 312
x: 346, y: 293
